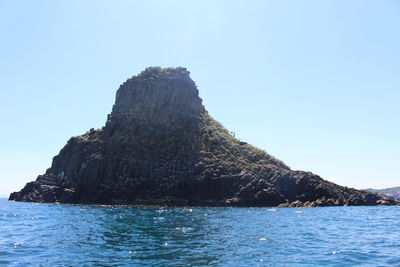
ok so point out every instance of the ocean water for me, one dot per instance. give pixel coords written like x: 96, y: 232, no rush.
x: 89, y: 235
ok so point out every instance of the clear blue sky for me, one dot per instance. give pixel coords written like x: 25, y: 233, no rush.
x: 314, y: 83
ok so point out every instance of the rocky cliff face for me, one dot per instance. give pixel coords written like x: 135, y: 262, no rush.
x: 160, y: 146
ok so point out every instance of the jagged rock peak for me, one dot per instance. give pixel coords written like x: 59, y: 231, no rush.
x: 158, y: 92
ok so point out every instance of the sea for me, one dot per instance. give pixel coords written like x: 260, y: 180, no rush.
x: 34, y: 234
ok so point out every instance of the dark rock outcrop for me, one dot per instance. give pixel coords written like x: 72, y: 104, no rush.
x: 160, y: 146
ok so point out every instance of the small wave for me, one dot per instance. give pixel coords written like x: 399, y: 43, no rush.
x: 183, y: 229
x: 160, y: 211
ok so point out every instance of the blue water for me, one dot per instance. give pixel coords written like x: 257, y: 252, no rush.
x: 83, y: 235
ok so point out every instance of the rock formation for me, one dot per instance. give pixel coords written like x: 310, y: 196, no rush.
x: 160, y: 146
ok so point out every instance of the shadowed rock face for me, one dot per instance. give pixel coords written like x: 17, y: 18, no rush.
x: 160, y: 146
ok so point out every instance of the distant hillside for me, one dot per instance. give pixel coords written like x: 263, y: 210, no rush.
x: 391, y: 192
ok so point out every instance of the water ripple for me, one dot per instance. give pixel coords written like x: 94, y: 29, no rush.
x: 65, y: 235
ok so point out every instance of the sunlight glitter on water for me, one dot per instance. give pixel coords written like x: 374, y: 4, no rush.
x: 31, y: 234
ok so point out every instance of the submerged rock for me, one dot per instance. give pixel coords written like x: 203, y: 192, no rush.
x: 160, y: 146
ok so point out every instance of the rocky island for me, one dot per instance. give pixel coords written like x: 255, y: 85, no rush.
x: 160, y: 146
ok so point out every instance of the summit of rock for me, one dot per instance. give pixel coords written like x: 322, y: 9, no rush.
x: 178, y: 73
x: 160, y: 146
x: 159, y: 94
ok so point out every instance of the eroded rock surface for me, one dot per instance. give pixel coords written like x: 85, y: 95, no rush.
x: 160, y: 146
